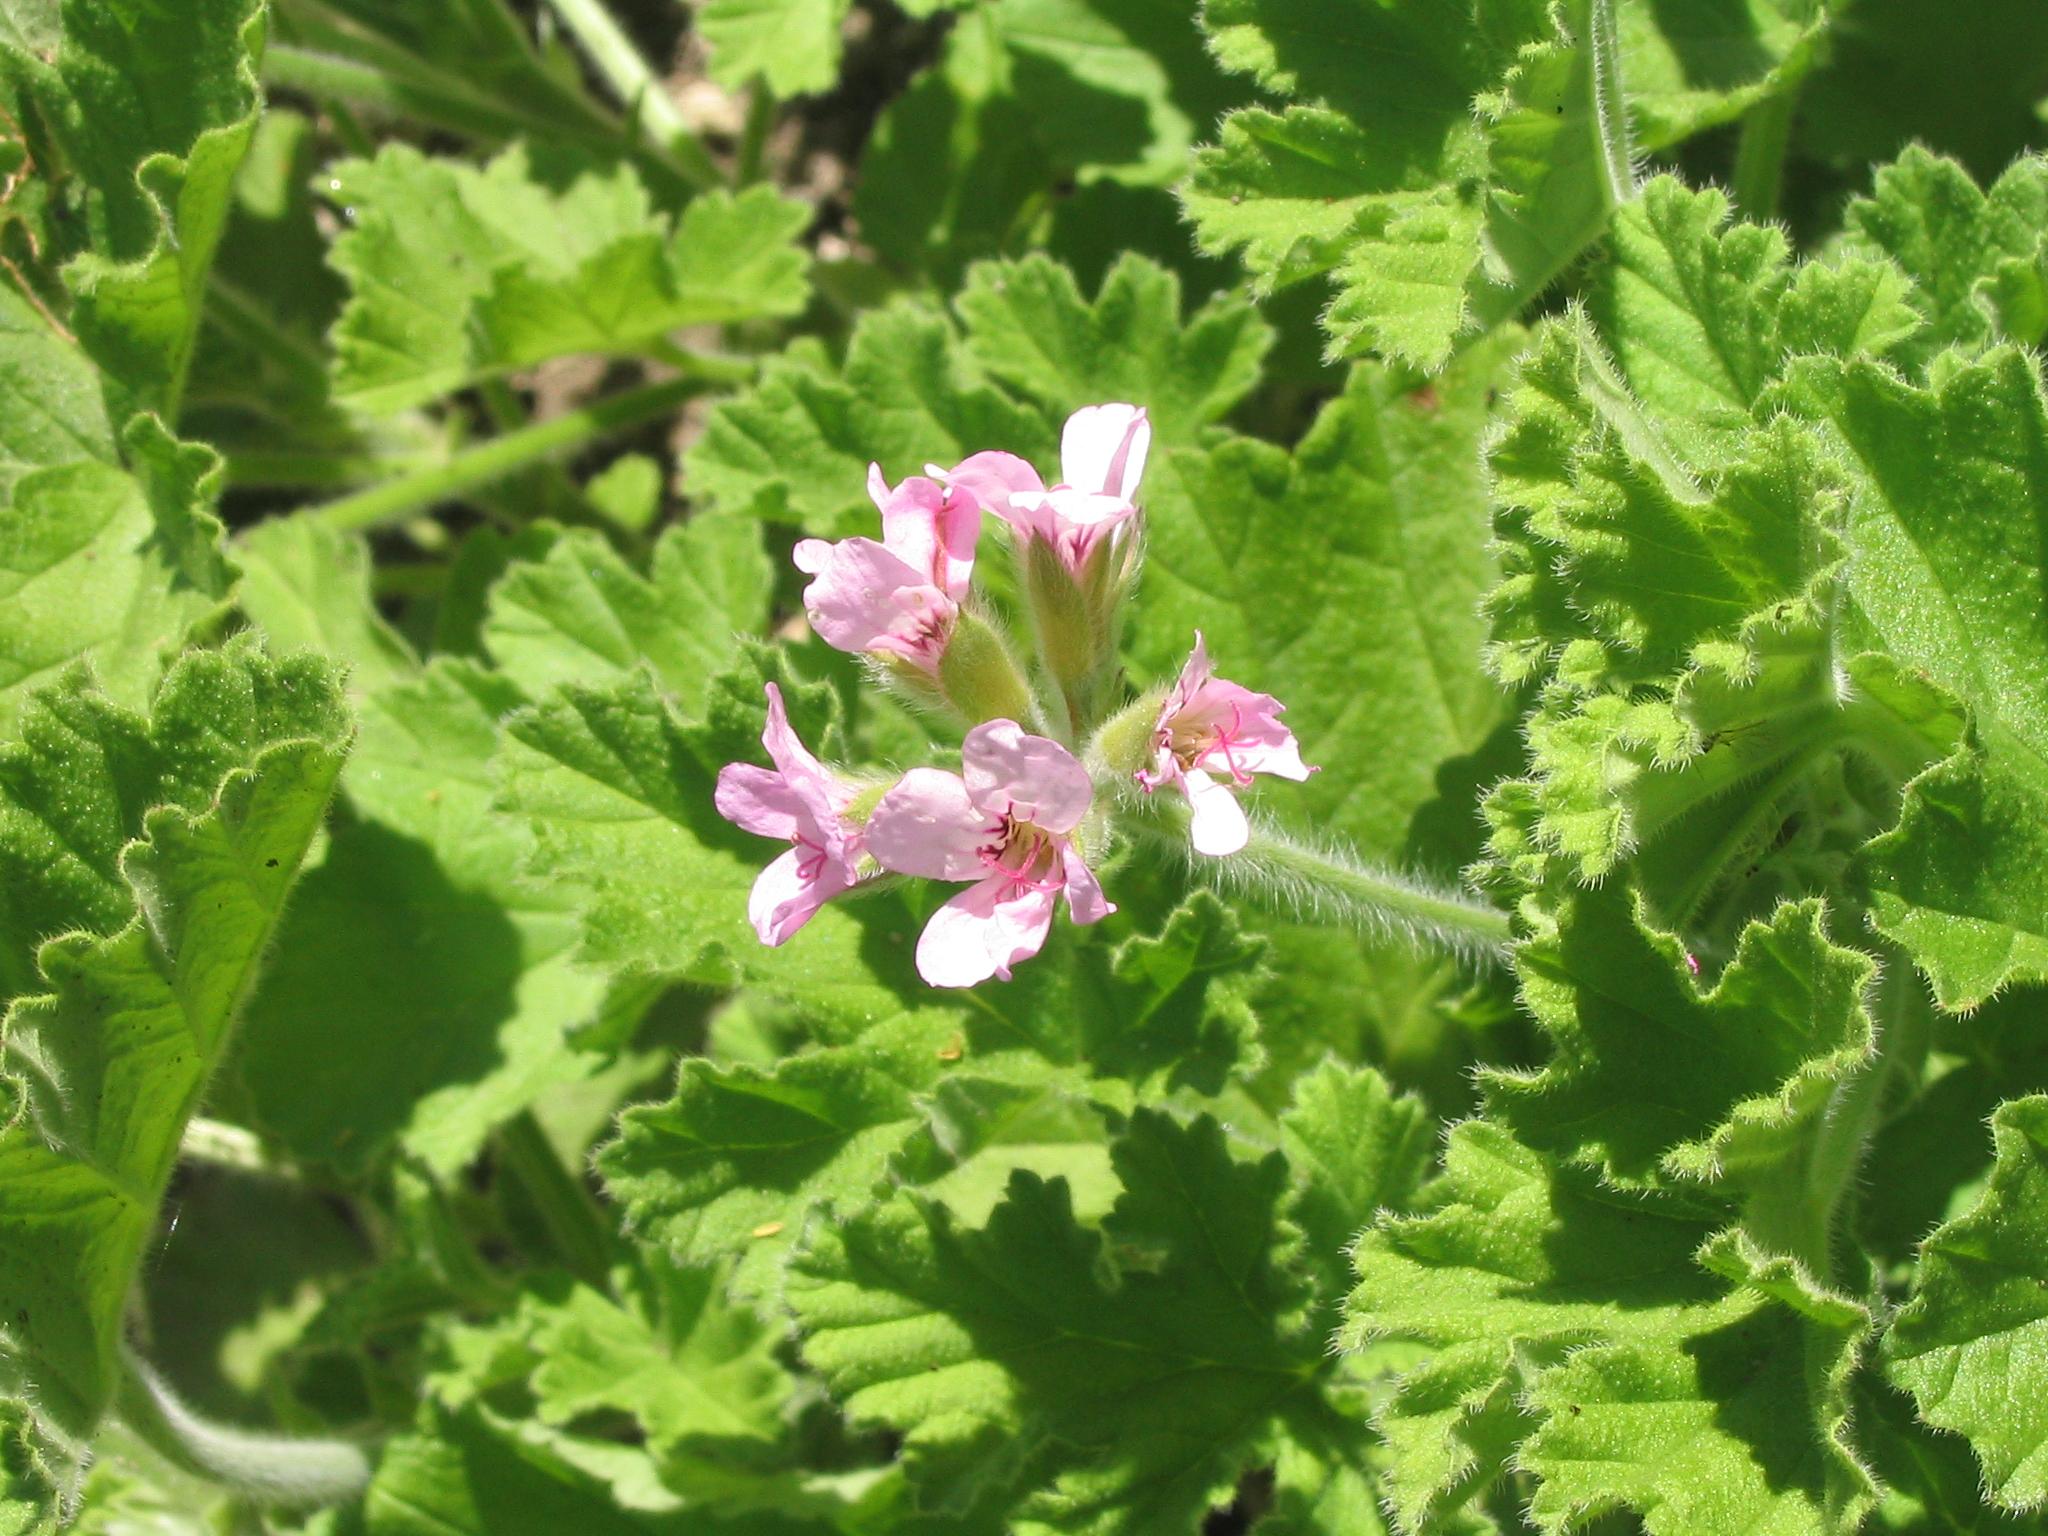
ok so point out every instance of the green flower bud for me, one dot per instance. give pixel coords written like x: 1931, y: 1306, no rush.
x: 979, y: 675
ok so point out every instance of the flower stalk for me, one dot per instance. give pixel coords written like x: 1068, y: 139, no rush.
x: 1329, y: 886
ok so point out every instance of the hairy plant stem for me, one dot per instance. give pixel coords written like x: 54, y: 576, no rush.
x: 613, y: 55
x: 228, y: 1146
x: 395, y: 500
x: 1613, y: 157
x: 572, y: 1220
x: 1802, y: 1221
x: 279, y: 1470
x: 1330, y: 886
x: 1760, y: 154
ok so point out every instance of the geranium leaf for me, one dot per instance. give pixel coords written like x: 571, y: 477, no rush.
x: 1967, y: 1345
x: 459, y: 274
x: 1035, y: 1347
x: 114, y: 1058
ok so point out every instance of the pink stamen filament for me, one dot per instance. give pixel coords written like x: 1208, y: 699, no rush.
x: 1012, y: 836
x: 1190, y: 749
x: 1226, y: 740
x: 809, y: 869
x: 939, y: 538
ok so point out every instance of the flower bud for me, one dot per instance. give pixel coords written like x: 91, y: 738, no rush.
x: 1124, y: 745
x: 978, y: 674
x: 1076, y: 614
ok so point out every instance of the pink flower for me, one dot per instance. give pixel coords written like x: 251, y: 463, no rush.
x: 1102, y: 454
x: 1210, y: 727
x: 804, y: 803
x: 903, y: 594
x: 1006, y: 823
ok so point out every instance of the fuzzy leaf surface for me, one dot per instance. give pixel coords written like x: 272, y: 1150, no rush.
x: 458, y: 274
x: 114, y: 1058
x: 1969, y: 1345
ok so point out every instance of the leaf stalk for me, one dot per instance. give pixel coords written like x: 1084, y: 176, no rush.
x: 285, y: 1471
x: 647, y: 102
x: 395, y: 500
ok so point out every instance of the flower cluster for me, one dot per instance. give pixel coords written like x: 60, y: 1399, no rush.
x: 1029, y: 815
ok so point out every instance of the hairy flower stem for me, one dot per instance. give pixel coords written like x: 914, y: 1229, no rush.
x: 279, y: 1470
x: 1332, y: 887
x: 1760, y: 154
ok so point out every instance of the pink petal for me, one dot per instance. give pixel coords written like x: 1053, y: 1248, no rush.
x: 816, y: 786
x: 1084, y: 892
x: 1010, y: 772
x: 1218, y: 826
x: 812, y: 555
x: 991, y: 478
x: 926, y: 825
x: 931, y: 529
x: 863, y: 598
x: 1259, y: 743
x: 1103, y: 448
x: 1194, y: 672
x: 1281, y: 758
x: 759, y: 801
x: 1094, y: 510
x: 982, y: 932
x: 1030, y: 515
x: 782, y: 900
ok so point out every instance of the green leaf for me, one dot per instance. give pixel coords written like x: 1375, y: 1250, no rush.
x: 114, y: 1059
x: 618, y: 790
x: 582, y: 615
x: 1978, y: 259
x: 1179, y: 1005
x: 1029, y: 329
x: 1692, y: 68
x: 1358, y: 1149
x: 1967, y: 1344
x: 1444, y: 165
x: 1739, y: 1425
x: 77, y: 786
x: 735, y: 1162
x: 107, y: 567
x: 308, y: 588
x: 422, y: 993
x: 1040, y: 112
x: 1345, y: 580
x: 791, y: 46
x: 1657, y: 1082
x: 1671, y: 550
x: 1135, y: 1373
x: 1960, y: 883
x: 918, y: 388
x: 796, y: 447
x: 464, y: 1473
x: 152, y: 109
x: 1653, y: 1366
x: 1442, y: 171
x: 53, y: 412
x: 695, y: 1372
x: 1930, y: 1478
x: 458, y: 274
